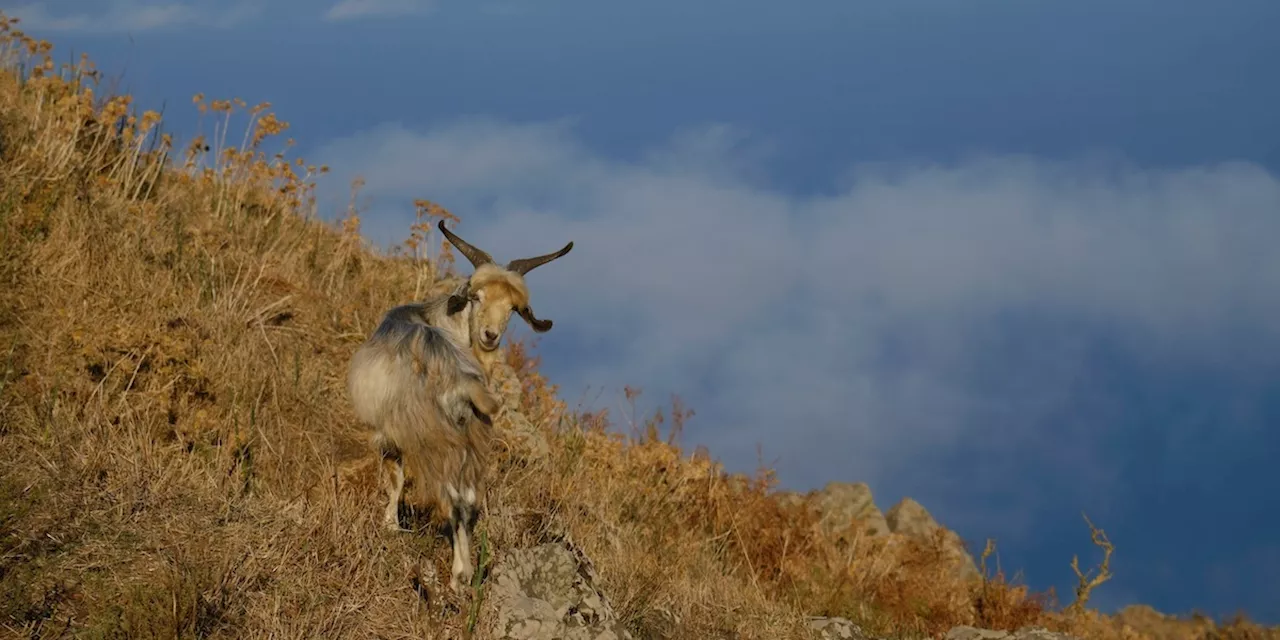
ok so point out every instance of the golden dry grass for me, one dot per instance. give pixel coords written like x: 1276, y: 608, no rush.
x: 180, y: 458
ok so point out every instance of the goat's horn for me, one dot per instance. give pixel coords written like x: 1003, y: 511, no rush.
x: 474, y: 255
x: 525, y: 265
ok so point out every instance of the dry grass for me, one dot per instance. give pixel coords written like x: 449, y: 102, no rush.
x: 180, y: 458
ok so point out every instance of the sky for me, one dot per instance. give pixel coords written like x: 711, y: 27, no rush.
x: 1014, y: 260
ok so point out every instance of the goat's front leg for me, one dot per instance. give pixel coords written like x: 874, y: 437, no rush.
x: 393, y: 476
x: 460, y: 519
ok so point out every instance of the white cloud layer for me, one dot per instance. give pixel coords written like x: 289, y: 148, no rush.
x: 355, y: 9
x: 852, y: 334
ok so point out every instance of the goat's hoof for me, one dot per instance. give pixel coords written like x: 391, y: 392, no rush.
x: 393, y: 526
x: 459, y: 583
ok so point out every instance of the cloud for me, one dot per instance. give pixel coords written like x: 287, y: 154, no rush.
x: 130, y: 16
x: 923, y: 313
x: 355, y: 9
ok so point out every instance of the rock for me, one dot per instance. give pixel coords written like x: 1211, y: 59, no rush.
x: 548, y: 592
x: 504, y: 382
x: 1025, y: 633
x: 1040, y: 633
x: 532, y: 441
x: 836, y: 629
x: 974, y: 633
x: 840, y: 504
x: 910, y: 519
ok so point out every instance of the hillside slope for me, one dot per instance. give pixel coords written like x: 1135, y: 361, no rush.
x: 179, y: 457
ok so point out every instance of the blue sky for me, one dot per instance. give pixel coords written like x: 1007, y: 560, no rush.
x: 1014, y: 260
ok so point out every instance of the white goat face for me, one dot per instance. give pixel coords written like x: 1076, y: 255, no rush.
x: 491, y: 308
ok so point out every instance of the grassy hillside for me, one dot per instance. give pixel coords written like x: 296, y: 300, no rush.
x: 179, y: 457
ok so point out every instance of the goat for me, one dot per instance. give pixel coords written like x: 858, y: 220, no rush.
x: 418, y: 380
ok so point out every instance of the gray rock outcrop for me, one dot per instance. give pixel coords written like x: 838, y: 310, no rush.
x: 910, y: 519
x: 1025, y: 633
x: 548, y: 593
x: 506, y: 384
x: 841, y: 503
x: 836, y: 629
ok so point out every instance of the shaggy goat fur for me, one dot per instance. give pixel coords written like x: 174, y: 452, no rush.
x: 426, y: 398
x: 420, y: 383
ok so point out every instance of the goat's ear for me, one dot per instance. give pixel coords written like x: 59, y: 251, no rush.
x: 458, y: 301
x: 541, y: 326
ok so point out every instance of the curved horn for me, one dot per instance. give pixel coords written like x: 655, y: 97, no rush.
x: 525, y: 265
x: 475, y: 256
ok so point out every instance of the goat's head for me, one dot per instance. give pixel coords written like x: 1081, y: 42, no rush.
x: 493, y: 292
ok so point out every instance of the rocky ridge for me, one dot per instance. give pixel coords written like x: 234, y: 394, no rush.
x: 848, y: 509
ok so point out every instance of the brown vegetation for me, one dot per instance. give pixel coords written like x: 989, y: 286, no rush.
x: 180, y: 458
